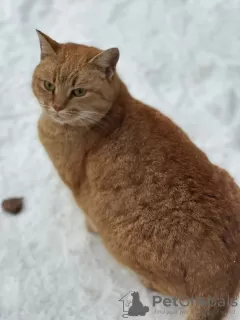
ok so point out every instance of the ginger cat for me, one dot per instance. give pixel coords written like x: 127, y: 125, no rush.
x: 160, y: 206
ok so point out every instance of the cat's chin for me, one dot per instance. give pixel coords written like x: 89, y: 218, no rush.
x: 70, y: 122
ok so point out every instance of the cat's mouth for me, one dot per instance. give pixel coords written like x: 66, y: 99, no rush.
x: 65, y: 119
x: 60, y: 118
x: 57, y: 116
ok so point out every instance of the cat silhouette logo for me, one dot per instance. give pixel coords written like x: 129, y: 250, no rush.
x: 132, y: 306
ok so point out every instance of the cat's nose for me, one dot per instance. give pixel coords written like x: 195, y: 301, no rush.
x: 58, y: 107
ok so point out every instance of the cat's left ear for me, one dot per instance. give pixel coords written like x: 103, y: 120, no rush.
x: 107, y: 61
x: 48, y: 46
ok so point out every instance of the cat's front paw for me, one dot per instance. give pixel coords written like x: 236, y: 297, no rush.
x: 90, y: 226
x: 146, y: 283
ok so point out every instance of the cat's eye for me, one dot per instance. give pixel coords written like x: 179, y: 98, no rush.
x: 79, y: 92
x: 49, y: 86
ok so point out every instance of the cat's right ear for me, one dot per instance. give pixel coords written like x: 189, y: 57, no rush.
x: 48, y: 46
x: 107, y: 61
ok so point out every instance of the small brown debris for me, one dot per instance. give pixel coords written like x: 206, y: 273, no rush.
x: 13, y: 205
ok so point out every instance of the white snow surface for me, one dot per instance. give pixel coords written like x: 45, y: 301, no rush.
x: 181, y: 56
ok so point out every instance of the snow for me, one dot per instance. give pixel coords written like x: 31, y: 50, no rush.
x: 183, y: 57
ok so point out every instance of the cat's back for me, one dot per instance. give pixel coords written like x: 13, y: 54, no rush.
x: 149, y: 152
x: 149, y: 168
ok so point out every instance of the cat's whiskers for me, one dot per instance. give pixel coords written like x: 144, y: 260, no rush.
x: 47, y: 108
x: 84, y: 117
x: 95, y: 118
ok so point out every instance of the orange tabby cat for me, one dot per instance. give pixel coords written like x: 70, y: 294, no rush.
x: 161, y: 207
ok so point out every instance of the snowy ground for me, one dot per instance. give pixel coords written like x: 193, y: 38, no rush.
x: 183, y: 56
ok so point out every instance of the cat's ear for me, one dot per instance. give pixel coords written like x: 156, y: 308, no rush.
x: 107, y: 61
x: 48, y: 46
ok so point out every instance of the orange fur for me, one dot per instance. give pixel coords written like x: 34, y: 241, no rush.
x: 160, y: 206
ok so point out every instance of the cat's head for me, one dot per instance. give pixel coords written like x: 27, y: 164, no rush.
x: 75, y: 84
